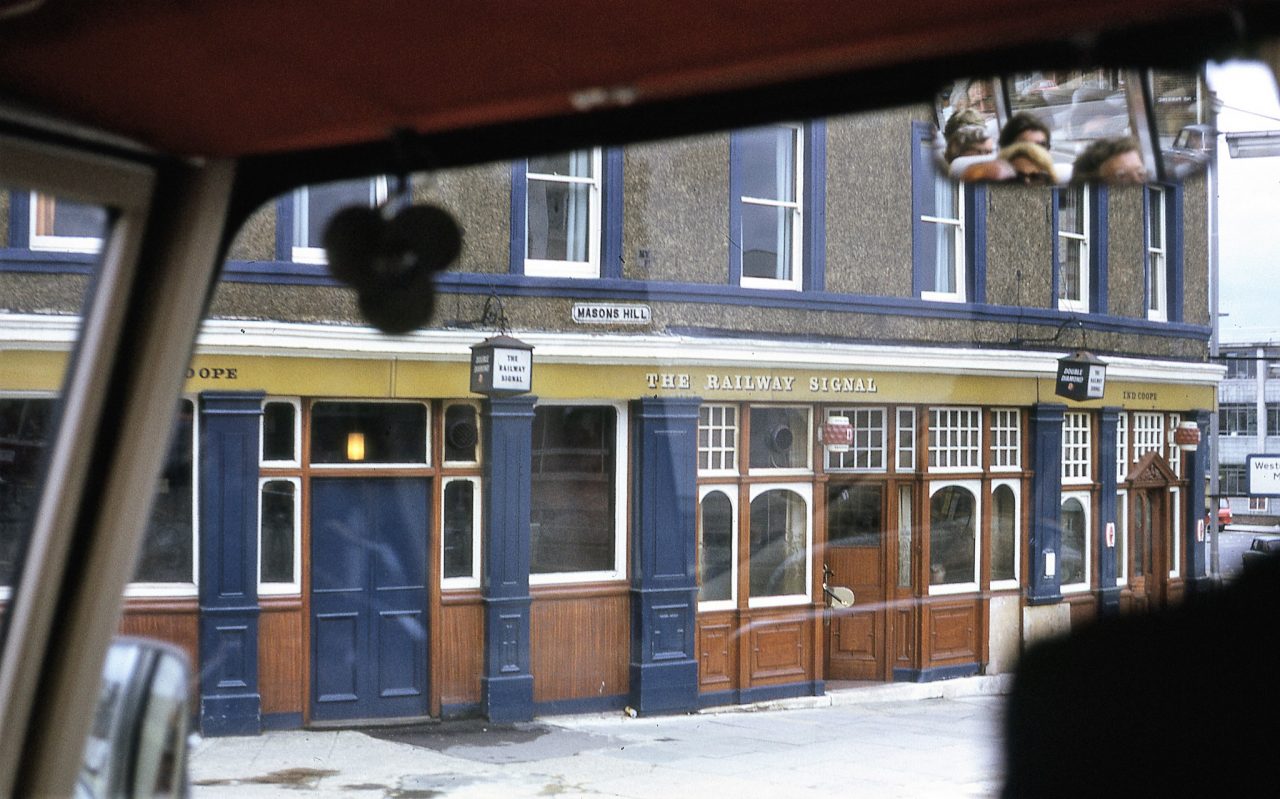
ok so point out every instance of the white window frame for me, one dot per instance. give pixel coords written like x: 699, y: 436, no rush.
x: 969, y: 453
x: 877, y: 445
x: 974, y: 487
x: 6, y: 591
x: 181, y: 588
x: 1174, y: 455
x: 730, y: 490
x: 472, y: 580
x: 620, y: 504
x: 444, y: 418
x: 1080, y: 305
x: 1258, y: 504
x: 365, y: 466
x: 1157, y: 259
x: 1175, y: 530
x: 303, y: 254
x: 1085, y: 500
x: 590, y: 268
x: 905, y: 454
x: 805, y: 491
x: 732, y: 431
x: 1122, y: 447
x: 1077, y: 448
x: 1148, y: 433
x: 960, y: 294
x: 808, y: 438
x: 52, y: 243
x: 1006, y: 440
x: 794, y: 282
x: 295, y: 586
x: 1122, y: 537
x: 296, y: 461
x: 1015, y: 486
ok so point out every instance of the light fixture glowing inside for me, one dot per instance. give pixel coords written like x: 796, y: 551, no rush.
x: 355, y: 446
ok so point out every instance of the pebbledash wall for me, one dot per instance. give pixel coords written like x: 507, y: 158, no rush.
x: 345, y: 532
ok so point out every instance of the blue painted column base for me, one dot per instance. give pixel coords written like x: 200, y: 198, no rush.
x: 231, y: 715
x: 1109, y: 601
x: 507, y: 699
x: 664, y: 679
x: 506, y: 688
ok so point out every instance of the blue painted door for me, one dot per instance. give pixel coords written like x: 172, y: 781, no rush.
x: 369, y: 597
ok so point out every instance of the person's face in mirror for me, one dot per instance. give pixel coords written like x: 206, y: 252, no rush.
x: 1124, y: 167
x: 1034, y: 137
x: 979, y: 99
x: 983, y: 147
x: 1029, y: 173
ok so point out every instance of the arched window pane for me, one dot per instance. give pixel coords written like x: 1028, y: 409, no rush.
x: 715, y: 555
x: 952, y: 550
x: 1004, y: 534
x: 779, y: 543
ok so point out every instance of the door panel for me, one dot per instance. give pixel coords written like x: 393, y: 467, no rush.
x: 856, y: 556
x: 368, y: 597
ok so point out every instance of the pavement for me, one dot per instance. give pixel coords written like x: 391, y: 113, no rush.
x: 866, y: 740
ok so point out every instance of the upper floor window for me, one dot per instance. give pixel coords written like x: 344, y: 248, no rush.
x: 66, y: 226
x: 1071, y: 251
x: 1233, y: 481
x: 768, y: 169
x: 1238, y: 419
x: 1157, y: 255
x: 941, y: 268
x: 1240, y: 366
x: 314, y: 206
x: 562, y: 214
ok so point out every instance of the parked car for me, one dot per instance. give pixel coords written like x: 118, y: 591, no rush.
x: 1224, y: 513
x: 1261, y: 548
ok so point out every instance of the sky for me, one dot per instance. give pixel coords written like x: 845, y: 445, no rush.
x: 1248, y: 206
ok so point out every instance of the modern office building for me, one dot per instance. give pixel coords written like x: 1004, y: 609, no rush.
x: 1248, y: 424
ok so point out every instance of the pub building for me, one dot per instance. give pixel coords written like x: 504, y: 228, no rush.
x: 349, y: 528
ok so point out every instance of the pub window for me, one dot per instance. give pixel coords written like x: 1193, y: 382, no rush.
x: 26, y: 424
x: 906, y: 505
x: 1006, y: 439
x: 718, y: 439
x: 780, y: 439
x: 167, y: 562
x: 279, y: 553
x: 577, y: 484
x: 906, y: 439
x: 1122, y: 447
x: 780, y: 562
x: 867, y: 452
x: 1175, y: 453
x: 460, y: 543
x: 281, y: 432
x: 1077, y: 431
x: 955, y: 439
x: 953, y: 537
x: 1175, y: 529
x: 717, y: 547
x: 1004, y: 535
x: 1122, y: 538
x: 368, y: 433
x: 1073, y: 559
x: 1148, y: 434
x: 461, y: 433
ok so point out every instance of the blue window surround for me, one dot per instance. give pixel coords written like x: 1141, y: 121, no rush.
x: 813, y: 208
x: 610, y: 213
x: 19, y: 257
x: 1097, y: 197
x: 1173, y: 200
x: 923, y: 173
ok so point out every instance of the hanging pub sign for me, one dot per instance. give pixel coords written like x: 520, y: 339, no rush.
x: 1082, y: 376
x: 501, y: 366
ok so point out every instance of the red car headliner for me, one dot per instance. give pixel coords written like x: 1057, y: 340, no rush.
x: 234, y: 77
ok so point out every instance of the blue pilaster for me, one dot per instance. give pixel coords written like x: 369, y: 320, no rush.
x: 230, y: 703
x: 1046, y: 499
x: 664, y: 589
x: 1108, y: 591
x: 506, y: 687
x: 1197, y: 577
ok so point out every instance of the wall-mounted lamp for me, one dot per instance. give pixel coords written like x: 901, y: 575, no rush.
x: 355, y: 446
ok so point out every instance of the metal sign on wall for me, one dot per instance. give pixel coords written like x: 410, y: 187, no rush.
x: 611, y: 313
x: 1264, y: 475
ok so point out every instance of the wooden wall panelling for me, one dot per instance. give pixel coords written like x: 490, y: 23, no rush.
x: 282, y: 661
x: 778, y: 643
x: 952, y: 632
x: 581, y: 640
x: 460, y: 662
x: 173, y: 620
x: 717, y: 652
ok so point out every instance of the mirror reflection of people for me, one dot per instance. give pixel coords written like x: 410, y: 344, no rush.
x: 1025, y: 127
x: 1111, y: 160
x: 966, y: 134
x: 1031, y: 163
